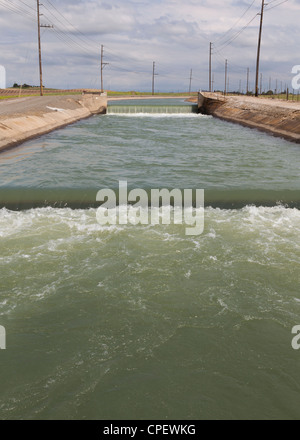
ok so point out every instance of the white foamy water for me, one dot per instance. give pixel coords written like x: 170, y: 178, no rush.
x: 159, y: 115
x: 98, y: 302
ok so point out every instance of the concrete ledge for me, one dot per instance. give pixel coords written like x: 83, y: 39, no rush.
x: 24, y: 119
x: 275, y: 117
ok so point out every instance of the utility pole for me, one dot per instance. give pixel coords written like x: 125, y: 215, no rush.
x: 213, y: 82
x: 102, y: 66
x: 248, y: 71
x: 210, y: 52
x: 39, y: 45
x: 226, y: 69
x: 191, y: 77
x: 40, y: 49
x: 259, y: 45
x: 153, y: 76
x: 261, y: 83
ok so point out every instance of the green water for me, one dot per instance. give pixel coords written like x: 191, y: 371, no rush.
x: 143, y: 322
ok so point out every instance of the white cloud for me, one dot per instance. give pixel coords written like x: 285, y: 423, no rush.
x: 135, y: 33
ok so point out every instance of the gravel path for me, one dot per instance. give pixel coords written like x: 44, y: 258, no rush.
x: 36, y: 105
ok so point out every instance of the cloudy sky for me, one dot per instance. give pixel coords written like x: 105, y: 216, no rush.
x: 173, y: 33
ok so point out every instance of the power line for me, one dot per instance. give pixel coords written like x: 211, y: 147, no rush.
x: 28, y: 6
x: 73, y: 42
x: 67, y: 38
x: 70, y: 43
x: 14, y: 8
x: 76, y: 36
x: 275, y: 6
x: 227, y: 32
x: 69, y: 22
x: 128, y: 60
x: 79, y: 44
x: 223, y: 58
x: 233, y: 38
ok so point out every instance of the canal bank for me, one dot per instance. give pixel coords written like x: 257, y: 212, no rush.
x: 279, y: 118
x: 25, y: 118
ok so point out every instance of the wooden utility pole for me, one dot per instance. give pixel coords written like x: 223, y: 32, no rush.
x: 40, y: 49
x: 40, y: 46
x: 258, y: 47
x: 226, y: 69
x: 102, y: 66
x: 248, y: 71
x: 153, y: 76
x: 191, y: 77
x: 210, y: 52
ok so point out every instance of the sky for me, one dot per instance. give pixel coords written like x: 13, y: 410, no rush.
x: 175, y: 34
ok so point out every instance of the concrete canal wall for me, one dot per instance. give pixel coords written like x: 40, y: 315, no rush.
x: 279, y: 118
x: 25, y: 118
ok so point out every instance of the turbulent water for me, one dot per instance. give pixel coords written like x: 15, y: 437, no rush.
x: 144, y: 322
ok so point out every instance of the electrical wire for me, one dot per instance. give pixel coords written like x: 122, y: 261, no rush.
x: 69, y: 22
x: 233, y: 38
x: 78, y: 43
x: 14, y: 8
x: 28, y: 6
x: 275, y: 6
x: 242, y: 16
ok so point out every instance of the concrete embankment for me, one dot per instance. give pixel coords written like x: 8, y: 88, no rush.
x: 280, y: 118
x: 25, y: 118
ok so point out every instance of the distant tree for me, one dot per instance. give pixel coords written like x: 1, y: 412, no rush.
x: 269, y: 92
x: 24, y: 86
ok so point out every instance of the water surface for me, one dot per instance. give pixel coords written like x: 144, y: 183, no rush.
x: 143, y: 322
